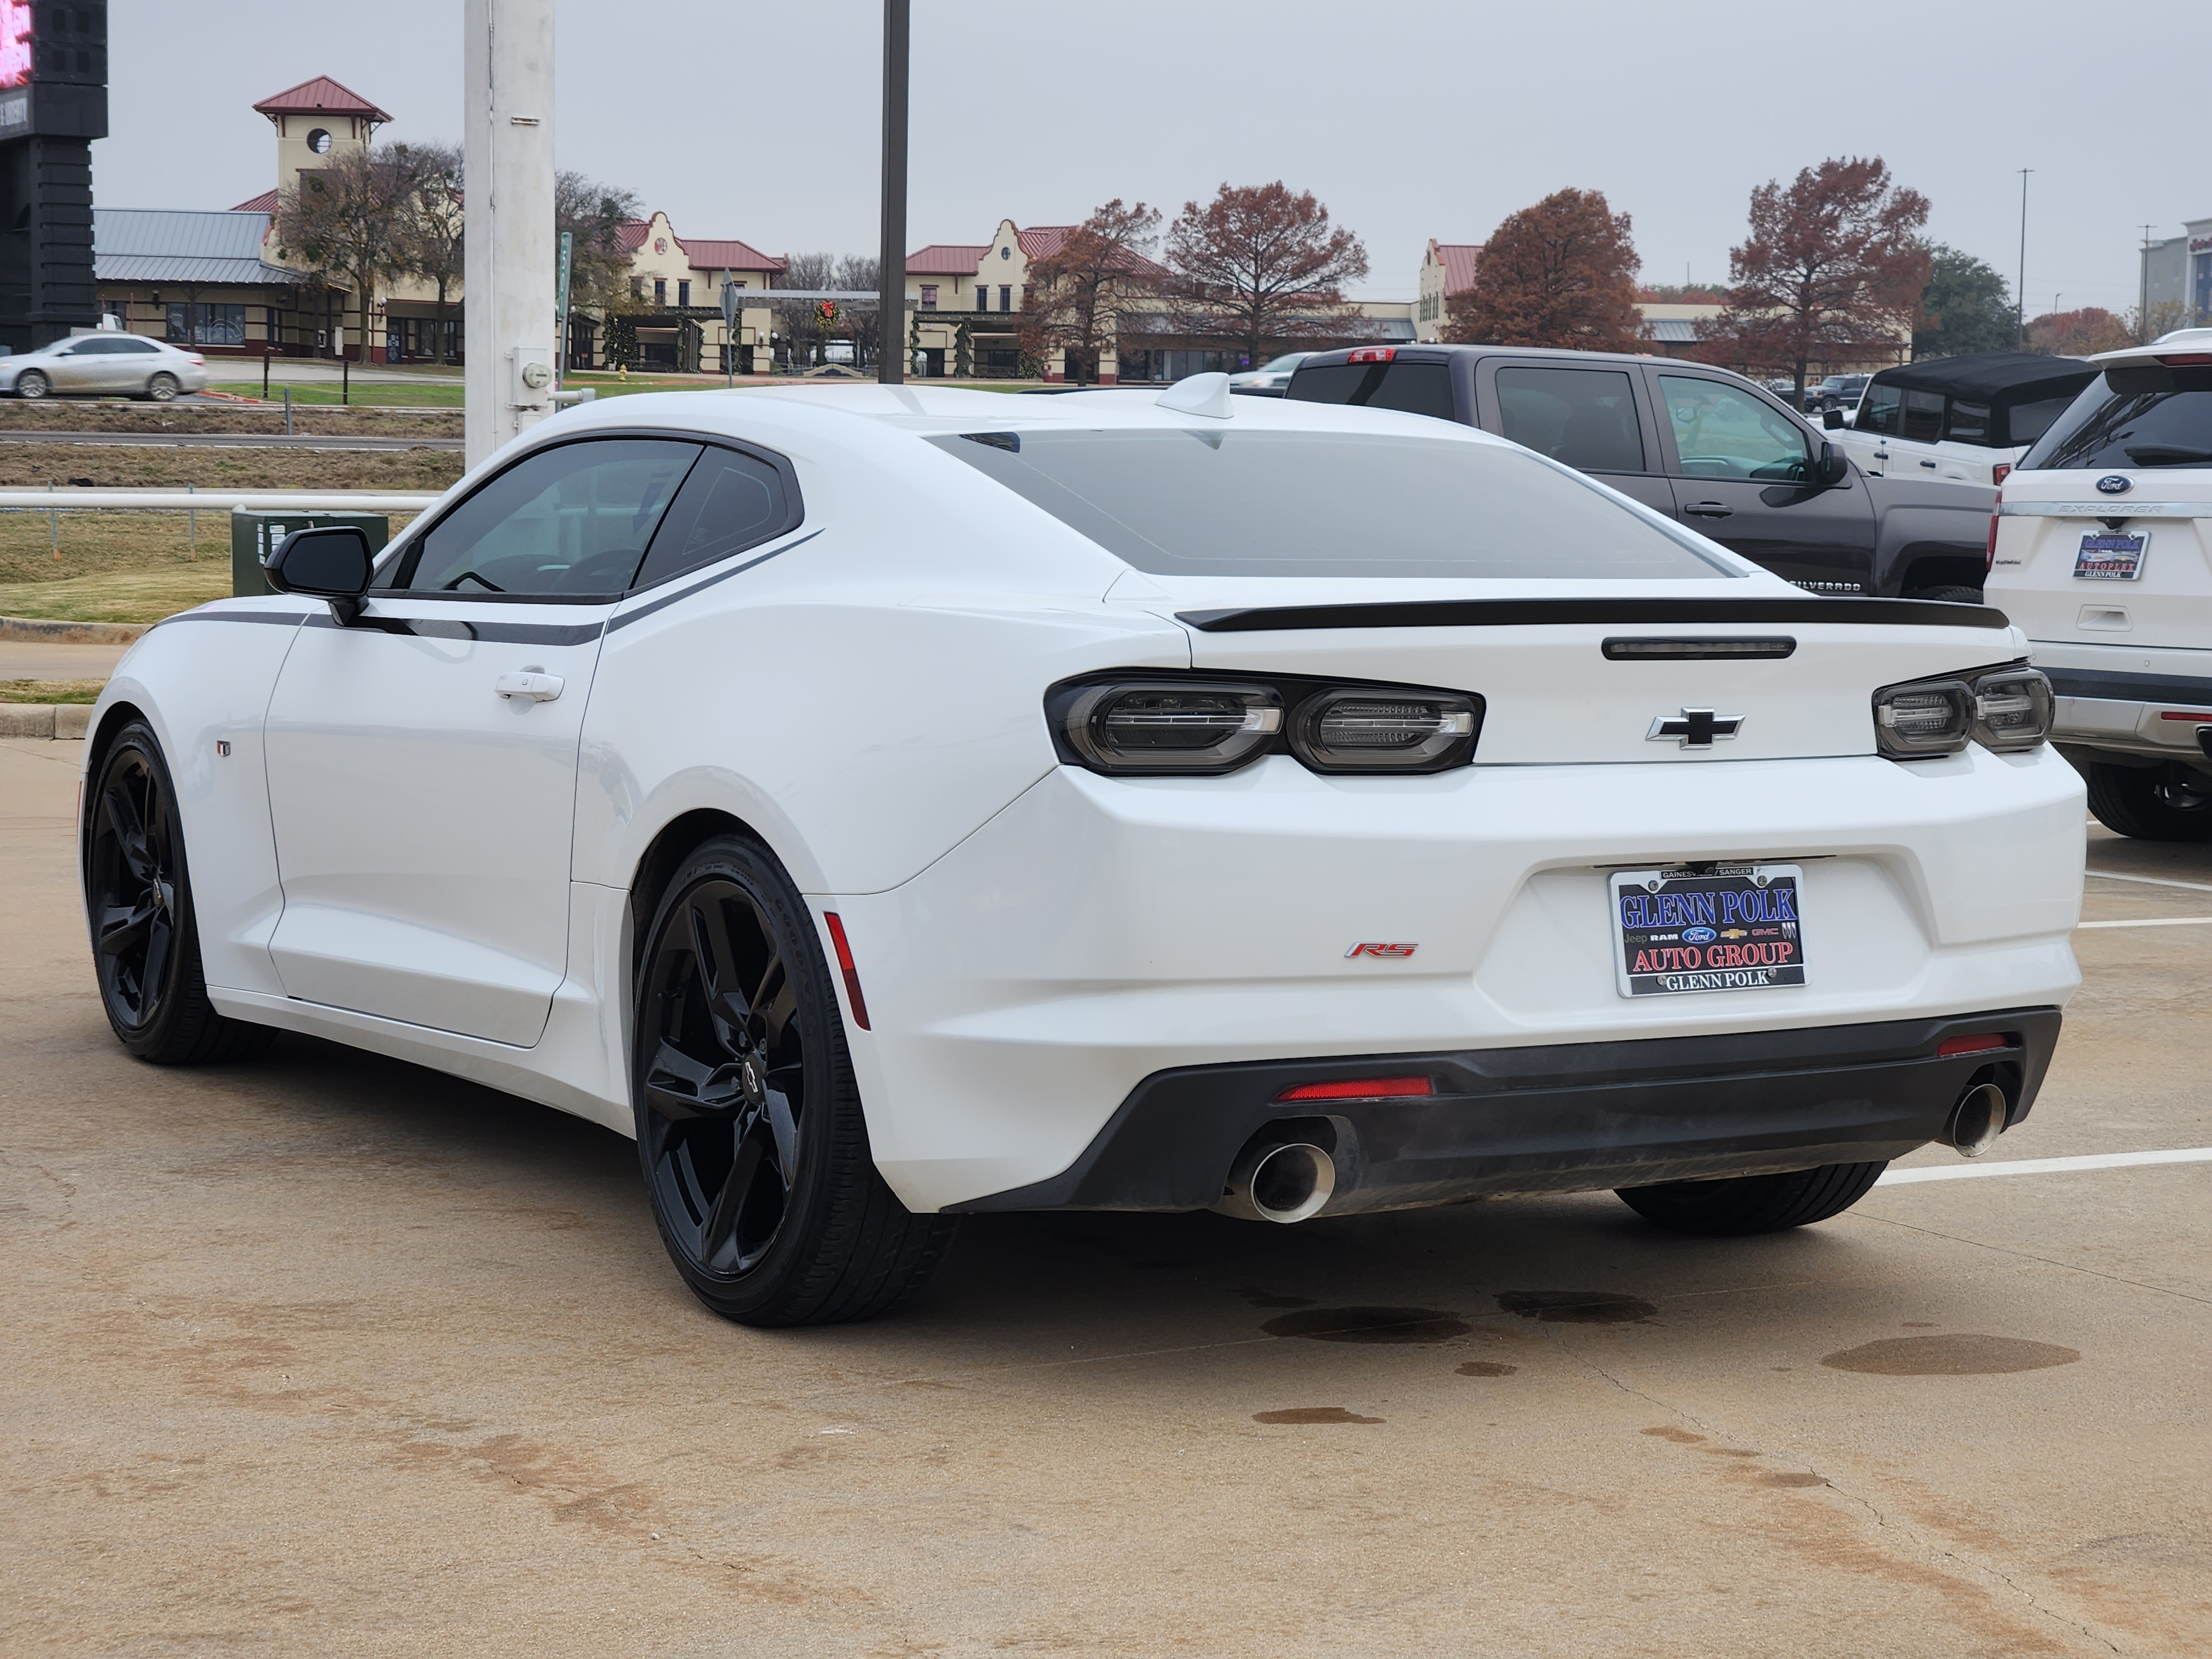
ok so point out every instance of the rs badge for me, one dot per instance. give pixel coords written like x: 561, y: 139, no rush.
x: 1380, y: 950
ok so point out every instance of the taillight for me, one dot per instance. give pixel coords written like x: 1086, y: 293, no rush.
x: 1979, y: 1044
x: 1202, y: 725
x: 1360, y: 1088
x: 2000, y: 472
x: 1384, y: 354
x: 195, y: 360
x: 2187, y: 359
x: 2012, y: 709
x: 2003, y: 709
x: 1990, y: 553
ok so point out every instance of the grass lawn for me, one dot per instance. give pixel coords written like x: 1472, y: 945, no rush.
x: 390, y: 394
x: 50, y: 690
x: 119, y: 466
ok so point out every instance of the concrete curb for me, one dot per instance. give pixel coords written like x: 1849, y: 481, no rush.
x: 45, y: 719
x: 37, y: 631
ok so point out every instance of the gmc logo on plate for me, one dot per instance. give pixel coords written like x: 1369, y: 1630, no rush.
x: 1380, y: 950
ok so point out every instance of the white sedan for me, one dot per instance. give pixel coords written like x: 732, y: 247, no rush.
x: 104, y: 364
x: 888, y: 803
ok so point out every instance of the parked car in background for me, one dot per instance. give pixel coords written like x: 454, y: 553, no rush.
x: 1836, y: 391
x: 1699, y: 444
x: 104, y: 364
x: 2101, y: 551
x: 1272, y: 377
x: 1964, y: 418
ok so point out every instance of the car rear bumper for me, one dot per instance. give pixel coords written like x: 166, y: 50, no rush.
x: 2112, y: 702
x: 1569, y: 1118
x: 1096, y: 932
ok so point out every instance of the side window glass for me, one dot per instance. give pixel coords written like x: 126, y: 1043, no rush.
x: 570, y: 521
x: 1585, y: 418
x: 1924, y: 416
x: 1416, y: 389
x: 730, y: 502
x: 1723, y: 432
x: 1880, y: 410
x: 1970, y: 422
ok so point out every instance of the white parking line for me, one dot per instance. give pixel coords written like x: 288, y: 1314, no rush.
x: 2154, y: 921
x: 2045, y: 1165
x: 2154, y: 881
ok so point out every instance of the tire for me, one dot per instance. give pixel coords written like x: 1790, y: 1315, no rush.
x: 2151, y: 802
x: 138, y: 910
x: 1743, y: 1204
x: 749, y: 1129
x: 33, y: 385
x: 163, y: 388
x: 1953, y: 594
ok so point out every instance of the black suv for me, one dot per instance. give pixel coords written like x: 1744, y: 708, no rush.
x: 1725, y: 456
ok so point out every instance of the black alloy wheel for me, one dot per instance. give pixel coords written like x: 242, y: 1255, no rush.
x: 138, y: 904
x: 33, y: 385
x: 2151, y: 802
x: 163, y: 388
x: 750, y: 1127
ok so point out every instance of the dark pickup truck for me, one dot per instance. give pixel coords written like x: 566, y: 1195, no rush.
x: 1724, y: 456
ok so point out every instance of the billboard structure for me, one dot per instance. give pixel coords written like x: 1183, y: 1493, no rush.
x: 53, y: 103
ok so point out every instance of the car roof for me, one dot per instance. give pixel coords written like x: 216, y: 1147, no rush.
x: 1436, y: 351
x: 1988, y: 373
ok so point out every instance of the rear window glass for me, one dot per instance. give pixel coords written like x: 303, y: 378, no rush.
x: 1410, y: 388
x: 2139, y: 417
x: 1970, y: 422
x: 1178, y: 503
x: 2025, y: 423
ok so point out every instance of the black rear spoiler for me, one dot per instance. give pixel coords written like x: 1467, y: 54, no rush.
x: 1531, y: 613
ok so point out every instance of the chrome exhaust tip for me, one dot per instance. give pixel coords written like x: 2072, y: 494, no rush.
x: 1977, y: 1121
x: 1282, y: 1181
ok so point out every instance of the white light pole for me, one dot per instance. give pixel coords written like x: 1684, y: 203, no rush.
x: 507, y: 147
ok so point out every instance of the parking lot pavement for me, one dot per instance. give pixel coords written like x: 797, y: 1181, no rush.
x: 324, y: 1353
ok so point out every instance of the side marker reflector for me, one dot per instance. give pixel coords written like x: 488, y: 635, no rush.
x: 1361, y: 1088
x: 844, y: 966
x: 1971, y: 1045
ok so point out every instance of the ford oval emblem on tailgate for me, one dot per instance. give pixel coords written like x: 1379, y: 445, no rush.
x: 2113, y: 483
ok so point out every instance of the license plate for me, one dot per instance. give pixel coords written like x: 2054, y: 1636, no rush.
x: 1720, y: 928
x: 2111, y: 556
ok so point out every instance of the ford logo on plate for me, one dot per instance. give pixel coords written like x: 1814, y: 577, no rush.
x: 2113, y: 483
x: 1699, y: 936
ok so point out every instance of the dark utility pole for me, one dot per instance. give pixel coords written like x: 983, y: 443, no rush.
x: 890, y: 272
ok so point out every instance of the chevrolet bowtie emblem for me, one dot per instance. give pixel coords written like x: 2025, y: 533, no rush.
x: 1695, y: 728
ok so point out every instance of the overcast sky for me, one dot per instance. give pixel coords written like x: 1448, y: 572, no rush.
x: 1410, y: 118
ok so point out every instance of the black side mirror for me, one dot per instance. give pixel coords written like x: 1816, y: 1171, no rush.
x: 1834, y: 420
x: 324, y: 562
x: 1833, y: 469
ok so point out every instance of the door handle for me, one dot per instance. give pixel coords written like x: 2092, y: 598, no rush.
x: 530, y: 685
x: 1931, y: 465
x: 1707, y: 510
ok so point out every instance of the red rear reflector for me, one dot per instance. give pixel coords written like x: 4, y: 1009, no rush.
x: 2186, y: 359
x: 2000, y: 472
x: 1384, y: 354
x: 1361, y: 1088
x: 844, y: 966
x: 1971, y: 1045
x: 2202, y: 716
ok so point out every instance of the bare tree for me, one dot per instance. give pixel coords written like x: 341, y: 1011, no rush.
x: 594, y: 215
x: 1261, y: 266
x: 432, y: 243
x: 348, y: 222
x: 1077, y: 293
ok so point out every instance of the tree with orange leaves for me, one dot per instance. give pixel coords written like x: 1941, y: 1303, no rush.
x: 1561, y: 273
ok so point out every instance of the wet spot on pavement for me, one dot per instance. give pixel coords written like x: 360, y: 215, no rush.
x: 1728, y: 1452
x: 1963, y: 1354
x: 1680, y: 1436
x: 1486, y: 1368
x: 1313, y: 1414
x: 1575, y: 1307
x: 1792, y: 1480
x: 1255, y: 1297
x: 1410, y: 1325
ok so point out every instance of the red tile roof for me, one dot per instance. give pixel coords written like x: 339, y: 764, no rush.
x: 1042, y: 241
x: 946, y: 259
x: 320, y: 96
x: 702, y: 254
x: 264, y: 203
x: 1459, y: 260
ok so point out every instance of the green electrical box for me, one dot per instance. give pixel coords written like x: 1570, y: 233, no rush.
x: 255, y: 536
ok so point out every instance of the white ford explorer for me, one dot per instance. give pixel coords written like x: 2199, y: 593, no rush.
x: 2101, y: 550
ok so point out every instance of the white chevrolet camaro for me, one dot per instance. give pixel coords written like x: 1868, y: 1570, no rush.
x: 886, y: 803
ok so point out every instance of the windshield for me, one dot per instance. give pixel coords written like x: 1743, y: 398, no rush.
x: 2133, y: 416
x: 1230, y: 503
